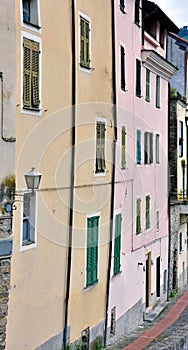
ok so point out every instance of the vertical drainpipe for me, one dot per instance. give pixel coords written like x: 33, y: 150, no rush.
x: 113, y: 171
x: 72, y: 180
x: 168, y: 184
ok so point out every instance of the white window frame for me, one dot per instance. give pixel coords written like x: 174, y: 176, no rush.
x: 33, y: 244
x: 87, y: 18
x: 30, y: 26
x: 100, y: 120
x: 38, y: 40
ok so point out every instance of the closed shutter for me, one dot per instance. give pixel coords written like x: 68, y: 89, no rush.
x: 92, y: 250
x: 147, y: 84
x: 147, y: 212
x: 138, y: 147
x: 158, y: 91
x: 138, y: 215
x: 84, y: 43
x: 31, y: 74
x: 138, y: 78
x: 100, y: 148
x: 117, y: 244
x: 123, y: 150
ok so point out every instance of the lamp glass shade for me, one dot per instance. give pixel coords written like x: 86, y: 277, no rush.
x: 32, y: 179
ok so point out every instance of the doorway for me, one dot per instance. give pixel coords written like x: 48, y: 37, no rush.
x: 158, y: 287
x: 148, y: 279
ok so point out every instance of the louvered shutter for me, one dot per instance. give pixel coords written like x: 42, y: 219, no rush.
x: 147, y: 84
x: 27, y: 74
x: 100, y: 148
x: 117, y: 244
x: 35, y: 75
x: 138, y: 215
x: 84, y: 43
x: 92, y: 250
x: 147, y: 212
x: 137, y: 11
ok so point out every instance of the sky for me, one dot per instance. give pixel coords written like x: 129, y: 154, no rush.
x: 176, y: 10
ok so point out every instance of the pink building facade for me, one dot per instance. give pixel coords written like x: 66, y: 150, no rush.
x: 139, y: 266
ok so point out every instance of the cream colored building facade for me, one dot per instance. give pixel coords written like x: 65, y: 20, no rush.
x: 61, y: 231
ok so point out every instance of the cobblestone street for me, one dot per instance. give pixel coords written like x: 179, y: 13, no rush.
x: 173, y: 338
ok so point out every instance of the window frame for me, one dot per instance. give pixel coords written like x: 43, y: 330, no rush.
x: 157, y: 149
x: 117, y: 244
x: 97, y: 172
x: 35, y: 39
x: 31, y: 220
x: 157, y: 221
x: 84, y: 67
x: 93, y: 279
x: 180, y: 242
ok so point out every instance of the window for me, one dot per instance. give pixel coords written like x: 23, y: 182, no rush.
x: 138, y: 215
x: 137, y: 12
x: 122, y: 68
x: 100, y: 148
x: 147, y: 212
x: 147, y: 85
x: 148, y: 148
x: 158, y: 91
x: 92, y: 250
x: 157, y: 220
x: 180, y: 138
x: 138, y: 146
x: 30, y: 12
x: 84, y: 43
x: 138, y: 78
x: 180, y: 242
x: 30, y: 74
x: 117, y: 244
x: 122, y: 5
x: 157, y: 148
x: 28, y: 229
x: 123, y: 147
x: 165, y: 281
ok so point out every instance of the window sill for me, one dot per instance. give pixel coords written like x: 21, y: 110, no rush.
x: 26, y: 243
x: 97, y: 174
x: 36, y: 26
x: 31, y: 109
x: 86, y: 288
x: 117, y: 274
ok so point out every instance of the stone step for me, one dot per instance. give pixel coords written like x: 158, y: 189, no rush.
x: 153, y: 313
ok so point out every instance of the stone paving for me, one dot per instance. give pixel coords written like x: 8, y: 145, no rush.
x: 168, y: 332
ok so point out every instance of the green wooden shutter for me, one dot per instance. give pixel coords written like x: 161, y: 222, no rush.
x: 147, y: 212
x: 123, y: 147
x: 158, y: 91
x: 117, y: 244
x: 138, y: 215
x: 100, y: 148
x: 92, y: 250
x: 138, y: 78
x: 147, y: 84
x: 138, y: 146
